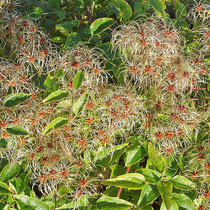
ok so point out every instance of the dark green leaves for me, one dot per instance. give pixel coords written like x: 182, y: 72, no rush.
x: 133, y: 181
x: 15, y: 99
x: 5, y: 189
x: 10, y: 170
x: 183, y: 201
x: 156, y: 158
x: 101, y: 25
x: 56, y: 123
x: 135, y: 155
x: 148, y: 194
x: 174, y: 206
x: 3, y: 143
x: 26, y: 202
x: 151, y: 176
x: 182, y: 183
x: 17, y: 130
x: 123, y: 8
x: 159, y: 6
x: 56, y: 96
x: 78, y: 106
x: 165, y: 189
x: 107, y: 203
x: 78, y: 79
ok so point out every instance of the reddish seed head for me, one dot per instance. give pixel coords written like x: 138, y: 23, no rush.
x: 148, y: 69
x: 199, y: 8
x: 45, y: 160
x: 55, y: 158
x: 15, y: 121
x: 53, y: 172
x: 20, y: 40
x: 186, y: 74
x: 171, y: 76
x: 32, y: 155
x: 201, y: 208
x: 207, y: 166
x: 5, y: 134
x: 194, y: 174
x: 181, y: 108
x: 25, y: 23
x: 34, y: 96
x: 3, y: 124
x: 168, y: 151
x: 203, y: 71
x: 133, y: 70
x: 200, y: 148
x: 21, y: 141
x: 95, y: 70
x: 79, y: 164
x: 101, y: 132
x: 44, y: 52
x: 12, y: 83
x: 207, y: 35
x: 40, y: 149
x: 50, y: 145
x: 90, y: 105
x: 42, y: 178
x: 180, y: 132
x: 89, y: 121
x: 25, y: 52
x: 157, y: 44
x: 83, y: 182
x: 77, y: 53
x: 75, y: 65
x: 158, y: 105
x: 70, y: 85
x: 201, y: 156
x: 169, y: 134
x: 64, y: 174
x: 82, y: 142
x: 159, y: 60
x: 171, y: 88
x: 197, y: 61
x: 174, y: 116
x: 31, y: 59
x: 158, y: 135
x: 10, y: 6
x: 41, y: 114
x: 42, y: 41
x: 207, y: 194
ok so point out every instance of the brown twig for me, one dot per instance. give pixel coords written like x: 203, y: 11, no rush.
x: 120, y: 190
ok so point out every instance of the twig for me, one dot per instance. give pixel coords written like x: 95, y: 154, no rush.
x: 120, y: 190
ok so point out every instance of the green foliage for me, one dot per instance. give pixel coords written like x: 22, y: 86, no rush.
x: 15, y: 99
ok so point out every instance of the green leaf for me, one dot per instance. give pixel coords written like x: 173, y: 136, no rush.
x: 135, y: 155
x: 66, y: 27
x: 159, y: 6
x: 26, y: 202
x: 56, y: 123
x: 133, y: 181
x: 156, y: 158
x: 3, y: 143
x: 9, y: 171
x: 151, y: 176
x: 165, y: 188
x: 60, y: 73
x: 183, y: 201
x: 105, y: 158
x: 16, y: 130
x: 21, y: 182
x: 15, y: 99
x: 5, y: 189
x: 174, y: 205
x: 182, y: 183
x: 171, y: 167
x: 113, y: 203
x: 78, y: 106
x: 149, y: 193
x: 72, y: 40
x: 50, y: 81
x: 78, y: 79
x: 55, y: 96
x: 181, y: 11
x: 124, y: 8
x: 101, y: 25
